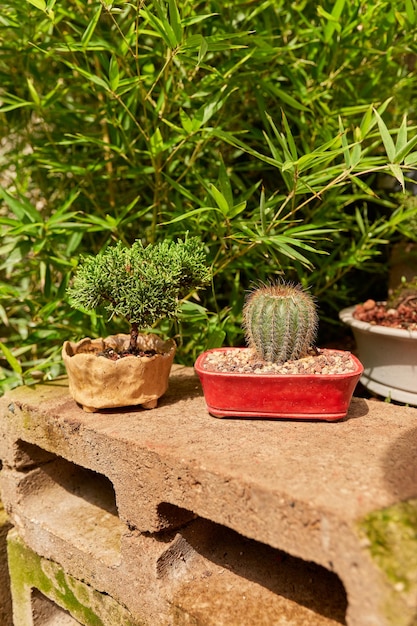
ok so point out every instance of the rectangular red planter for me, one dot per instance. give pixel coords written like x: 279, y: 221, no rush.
x: 312, y: 396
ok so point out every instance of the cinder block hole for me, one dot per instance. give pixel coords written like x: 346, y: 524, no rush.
x: 300, y: 582
x: 46, y: 613
x: 27, y: 455
x: 78, y: 505
x: 172, y: 516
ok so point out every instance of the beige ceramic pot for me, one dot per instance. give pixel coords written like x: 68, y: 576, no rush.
x: 96, y: 382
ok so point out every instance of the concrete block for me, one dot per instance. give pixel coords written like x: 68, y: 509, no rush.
x: 5, y: 597
x: 203, y: 574
x: 45, y: 595
x: 317, y: 491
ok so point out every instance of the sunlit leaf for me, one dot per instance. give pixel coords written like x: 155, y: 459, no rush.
x: 89, y: 31
x: 386, y: 137
x: 39, y: 4
x: 398, y: 173
x: 11, y: 359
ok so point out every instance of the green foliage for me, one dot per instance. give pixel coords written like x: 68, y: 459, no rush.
x: 280, y: 322
x: 404, y: 294
x: 266, y: 129
x: 140, y: 284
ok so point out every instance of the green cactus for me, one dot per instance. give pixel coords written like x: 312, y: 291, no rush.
x: 280, y: 322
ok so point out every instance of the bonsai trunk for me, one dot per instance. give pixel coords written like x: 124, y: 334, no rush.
x: 134, y: 332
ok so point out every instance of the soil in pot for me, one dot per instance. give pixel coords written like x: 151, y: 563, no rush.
x: 323, y: 361
x: 403, y: 316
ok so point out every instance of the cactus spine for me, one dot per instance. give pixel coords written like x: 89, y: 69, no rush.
x: 280, y: 322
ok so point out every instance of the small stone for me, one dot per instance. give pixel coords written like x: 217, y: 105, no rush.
x: 325, y: 362
x: 369, y: 304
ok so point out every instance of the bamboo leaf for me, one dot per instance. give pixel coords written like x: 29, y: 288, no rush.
x: 215, y: 339
x: 202, y: 50
x: 363, y: 186
x: 184, y: 191
x: 285, y: 97
x: 360, y: 221
x: 290, y: 138
x: 356, y: 154
x: 89, y: 31
x: 11, y: 359
x: 32, y: 90
x: 164, y: 26
x: 188, y: 124
x: 345, y: 145
x: 13, y: 103
x: 220, y: 199
x: 262, y: 212
x: 175, y: 21
x: 89, y: 76
x: 406, y: 149
x: 410, y: 9
x: 114, y: 76
x: 288, y: 250
x: 156, y: 143
x: 367, y: 122
x: 224, y: 184
x: 386, y: 137
x: 333, y: 20
x: 236, y: 209
x: 39, y: 4
x: 21, y: 208
x: 398, y: 173
x: 401, y: 136
x: 188, y: 214
x: 411, y: 159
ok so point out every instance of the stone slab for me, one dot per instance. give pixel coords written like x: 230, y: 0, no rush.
x: 312, y: 489
x: 5, y: 597
x: 45, y: 595
x: 204, y: 572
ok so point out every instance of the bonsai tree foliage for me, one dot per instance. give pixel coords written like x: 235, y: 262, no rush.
x: 141, y: 284
x: 280, y: 322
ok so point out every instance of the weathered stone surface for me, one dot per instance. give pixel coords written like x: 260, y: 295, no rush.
x: 301, y: 487
x: 5, y: 598
x: 44, y: 594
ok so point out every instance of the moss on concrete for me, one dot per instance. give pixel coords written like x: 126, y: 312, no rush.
x: 392, y: 537
x: 28, y: 570
x: 5, y: 598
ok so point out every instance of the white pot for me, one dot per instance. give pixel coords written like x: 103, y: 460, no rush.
x: 389, y: 357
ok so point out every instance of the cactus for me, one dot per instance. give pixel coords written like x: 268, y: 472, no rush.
x: 280, y: 322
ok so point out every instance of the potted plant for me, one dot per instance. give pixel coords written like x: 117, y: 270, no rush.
x: 142, y: 285
x: 279, y: 374
x: 386, y: 339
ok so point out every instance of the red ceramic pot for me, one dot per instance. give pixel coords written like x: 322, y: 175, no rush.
x: 301, y: 396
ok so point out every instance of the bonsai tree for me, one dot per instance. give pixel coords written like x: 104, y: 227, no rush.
x: 141, y: 284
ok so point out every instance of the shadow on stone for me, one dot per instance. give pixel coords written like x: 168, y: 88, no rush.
x: 400, y: 466
x: 303, y: 583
